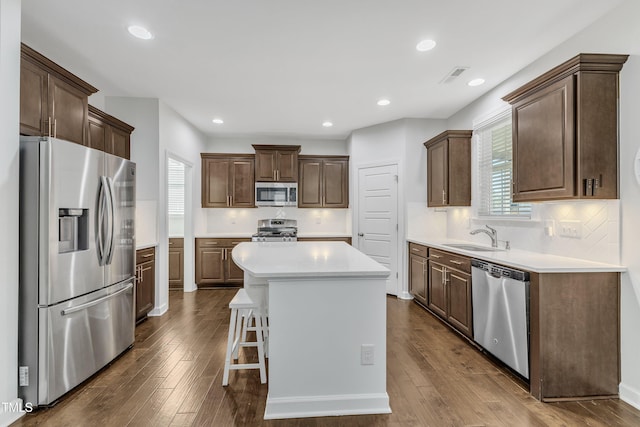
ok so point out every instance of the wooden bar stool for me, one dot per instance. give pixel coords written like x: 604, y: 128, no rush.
x: 243, y: 307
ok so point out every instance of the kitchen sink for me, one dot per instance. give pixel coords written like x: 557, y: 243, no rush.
x: 471, y: 247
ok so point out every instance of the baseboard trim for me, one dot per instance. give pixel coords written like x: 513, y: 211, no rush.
x: 11, y: 412
x: 159, y: 311
x: 405, y: 295
x: 323, y: 406
x: 630, y: 395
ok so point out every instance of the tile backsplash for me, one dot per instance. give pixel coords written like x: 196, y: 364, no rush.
x: 591, y: 229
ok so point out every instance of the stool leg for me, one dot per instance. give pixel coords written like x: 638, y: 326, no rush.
x: 230, y: 341
x: 260, y: 345
x: 239, y: 336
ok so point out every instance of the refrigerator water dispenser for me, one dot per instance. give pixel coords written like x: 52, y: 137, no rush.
x: 73, y: 230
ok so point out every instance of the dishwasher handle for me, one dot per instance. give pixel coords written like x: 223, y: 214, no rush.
x: 501, y: 271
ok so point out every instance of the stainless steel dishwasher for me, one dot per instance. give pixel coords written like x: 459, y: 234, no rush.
x: 501, y: 313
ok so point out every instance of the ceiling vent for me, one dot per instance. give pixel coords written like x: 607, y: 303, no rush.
x: 453, y: 74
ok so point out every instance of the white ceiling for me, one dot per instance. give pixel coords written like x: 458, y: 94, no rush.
x: 282, y: 67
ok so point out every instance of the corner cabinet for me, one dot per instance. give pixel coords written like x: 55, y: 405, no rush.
x: 228, y: 180
x: 565, y: 131
x: 449, y: 169
x: 108, y: 134
x: 323, y: 182
x: 53, y: 102
x: 418, y: 272
x: 276, y: 163
x: 145, y: 282
x: 214, y: 265
x: 176, y: 263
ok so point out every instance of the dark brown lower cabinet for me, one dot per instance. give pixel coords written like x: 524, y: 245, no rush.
x: 176, y: 263
x: 214, y: 266
x: 574, y: 335
x: 449, y: 289
x: 145, y: 282
x: 418, y: 272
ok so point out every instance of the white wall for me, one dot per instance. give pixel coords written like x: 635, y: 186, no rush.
x: 617, y: 32
x: 9, y: 185
x: 310, y: 146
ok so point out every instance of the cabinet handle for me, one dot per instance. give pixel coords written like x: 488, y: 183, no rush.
x: 208, y: 243
x: 435, y: 256
x: 55, y: 128
x: 415, y: 249
x: 277, y: 175
x: 453, y: 261
x: 49, y: 126
x: 224, y: 254
x: 147, y: 255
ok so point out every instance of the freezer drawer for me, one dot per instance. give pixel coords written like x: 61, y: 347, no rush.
x: 79, y: 337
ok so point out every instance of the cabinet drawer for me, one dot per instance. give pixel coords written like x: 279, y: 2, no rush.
x: 219, y: 243
x: 145, y: 255
x: 419, y: 250
x: 176, y: 242
x: 448, y: 259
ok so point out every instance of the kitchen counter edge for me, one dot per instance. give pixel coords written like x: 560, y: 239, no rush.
x: 530, y: 261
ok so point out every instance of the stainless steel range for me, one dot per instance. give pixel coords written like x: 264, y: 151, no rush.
x: 276, y: 230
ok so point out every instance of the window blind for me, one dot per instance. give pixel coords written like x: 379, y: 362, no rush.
x: 495, y: 170
x: 175, y: 172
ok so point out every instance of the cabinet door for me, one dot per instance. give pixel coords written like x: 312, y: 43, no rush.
x: 69, y: 108
x: 543, y: 144
x: 176, y: 267
x: 459, y: 313
x: 97, y: 134
x: 266, y: 165
x: 418, y: 278
x: 310, y: 184
x: 145, y: 289
x: 209, y: 265
x: 215, y: 183
x: 33, y: 99
x: 119, y: 143
x: 287, y: 166
x: 436, y: 294
x: 335, y: 184
x: 459, y: 172
x: 234, y: 274
x: 242, y: 191
x: 438, y: 171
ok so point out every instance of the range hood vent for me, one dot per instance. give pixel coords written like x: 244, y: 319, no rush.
x: 453, y: 74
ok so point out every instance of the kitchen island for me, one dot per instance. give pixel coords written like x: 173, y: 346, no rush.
x: 327, y: 327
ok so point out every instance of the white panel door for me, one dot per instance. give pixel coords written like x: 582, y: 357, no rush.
x: 378, y: 218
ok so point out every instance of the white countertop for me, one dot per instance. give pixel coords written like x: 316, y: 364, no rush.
x: 529, y: 261
x: 249, y: 234
x: 305, y: 259
x: 145, y: 245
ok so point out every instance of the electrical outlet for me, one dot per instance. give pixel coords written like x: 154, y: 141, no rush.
x: 570, y: 228
x: 367, y: 354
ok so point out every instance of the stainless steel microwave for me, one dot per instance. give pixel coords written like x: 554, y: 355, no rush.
x: 276, y: 194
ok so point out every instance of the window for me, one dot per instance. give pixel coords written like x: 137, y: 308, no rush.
x: 495, y: 169
x: 175, y: 177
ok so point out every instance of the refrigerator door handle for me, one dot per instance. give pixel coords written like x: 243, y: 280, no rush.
x: 100, y: 225
x: 96, y: 301
x: 110, y: 220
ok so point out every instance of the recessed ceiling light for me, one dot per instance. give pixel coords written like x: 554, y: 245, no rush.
x: 425, y: 45
x: 140, y: 32
x: 327, y: 124
x: 476, y: 82
x: 218, y: 121
x: 383, y: 102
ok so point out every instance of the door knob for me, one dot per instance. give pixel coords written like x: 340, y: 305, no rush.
x: 361, y: 234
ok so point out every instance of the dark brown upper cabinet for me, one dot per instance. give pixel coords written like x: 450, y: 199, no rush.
x: 323, y: 182
x: 108, y: 134
x: 276, y: 163
x: 449, y: 169
x: 565, y: 131
x: 53, y: 102
x: 227, y: 180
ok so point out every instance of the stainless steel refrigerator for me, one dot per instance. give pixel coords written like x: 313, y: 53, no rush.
x: 77, y: 264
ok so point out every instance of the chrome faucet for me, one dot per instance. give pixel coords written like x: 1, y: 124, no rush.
x: 493, y: 234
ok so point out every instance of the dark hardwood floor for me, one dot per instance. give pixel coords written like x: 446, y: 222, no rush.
x: 173, y: 374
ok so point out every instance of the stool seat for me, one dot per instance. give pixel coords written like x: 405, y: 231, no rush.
x: 244, y: 307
